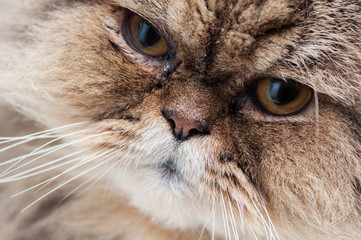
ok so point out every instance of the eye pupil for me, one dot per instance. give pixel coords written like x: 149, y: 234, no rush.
x: 282, y: 93
x: 147, y: 35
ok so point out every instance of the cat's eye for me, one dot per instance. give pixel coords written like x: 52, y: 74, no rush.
x: 282, y: 97
x: 145, y: 37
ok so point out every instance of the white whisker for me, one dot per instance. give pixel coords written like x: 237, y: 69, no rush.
x: 37, y: 149
x: 57, y: 139
x: 196, y: 200
x: 23, y: 174
x: 233, y: 220
x: 225, y: 220
x: 17, y: 178
x: 44, y: 133
x: 16, y: 144
x: 206, y: 223
x: 61, y: 185
x: 109, y: 182
x: 266, y: 224
x: 254, y: 235
x: 214, y: 213
x: 269, y: 218
x: 81, y: 163
x: 99, y: 175
x: 20, y: 157
x: 59, y: 147
x: 127, y: 166
x: 4, y: 140
x: 240, y: 210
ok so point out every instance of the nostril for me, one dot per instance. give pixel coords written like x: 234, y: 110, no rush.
x: 194, y: 131
x: 172, y: 123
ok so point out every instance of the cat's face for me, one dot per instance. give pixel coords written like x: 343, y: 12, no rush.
x: 194, y: 112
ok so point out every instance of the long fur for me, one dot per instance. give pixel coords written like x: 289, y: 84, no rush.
x: 88, y: 151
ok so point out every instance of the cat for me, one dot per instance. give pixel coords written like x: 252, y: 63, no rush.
x: 178, y: 119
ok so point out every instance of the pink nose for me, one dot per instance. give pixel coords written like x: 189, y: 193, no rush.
x: 182, y: 129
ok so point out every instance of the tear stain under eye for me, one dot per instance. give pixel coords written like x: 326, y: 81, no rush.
x: 170, y: 67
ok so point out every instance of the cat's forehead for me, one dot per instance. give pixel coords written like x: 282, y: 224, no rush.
x: 242, y: 14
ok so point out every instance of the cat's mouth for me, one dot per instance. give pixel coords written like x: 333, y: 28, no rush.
x: 169, y: 170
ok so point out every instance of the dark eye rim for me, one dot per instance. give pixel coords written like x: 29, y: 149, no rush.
x: 130, y: 41
x: 252, y: 91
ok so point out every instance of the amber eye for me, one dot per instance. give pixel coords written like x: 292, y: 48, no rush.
x: 282, y: 97
x: 145, y: 37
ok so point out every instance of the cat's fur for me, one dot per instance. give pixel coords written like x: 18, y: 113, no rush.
x: 252, y: 176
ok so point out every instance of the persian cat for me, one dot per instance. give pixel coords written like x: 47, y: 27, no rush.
x: 180, y: 119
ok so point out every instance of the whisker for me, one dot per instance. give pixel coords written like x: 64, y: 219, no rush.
x: 81, y: 163
x: 225, y: 221
x: 20, y: 157
x: 265, y: 223
x: 240, y: 210
x: 37, y: 149
x: 196, y: 200
x: 48, y: 181
x: 16, y: 144
x: 47, y: 152
x: 206, y: 223
x: 90, y: 179
x: 109, y: 182
x: 61, y: 185
x: 214, y: 213
x: 44, y: 145
x: 269, y: 218
x: 254, y: 235
x: 61, y: 146
x: 17, y: 178
x: 234, y: 225
x: 23, y: 174
x: 127, y: 166
x: 78, y: 187
x: 41, y: 134
x: 227, y: 218
x: 57, y: 139
x: 4, y: 140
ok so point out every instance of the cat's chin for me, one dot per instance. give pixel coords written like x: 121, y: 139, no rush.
x: 161, y: 192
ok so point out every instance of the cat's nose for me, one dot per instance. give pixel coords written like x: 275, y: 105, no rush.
x: 182, y: 129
